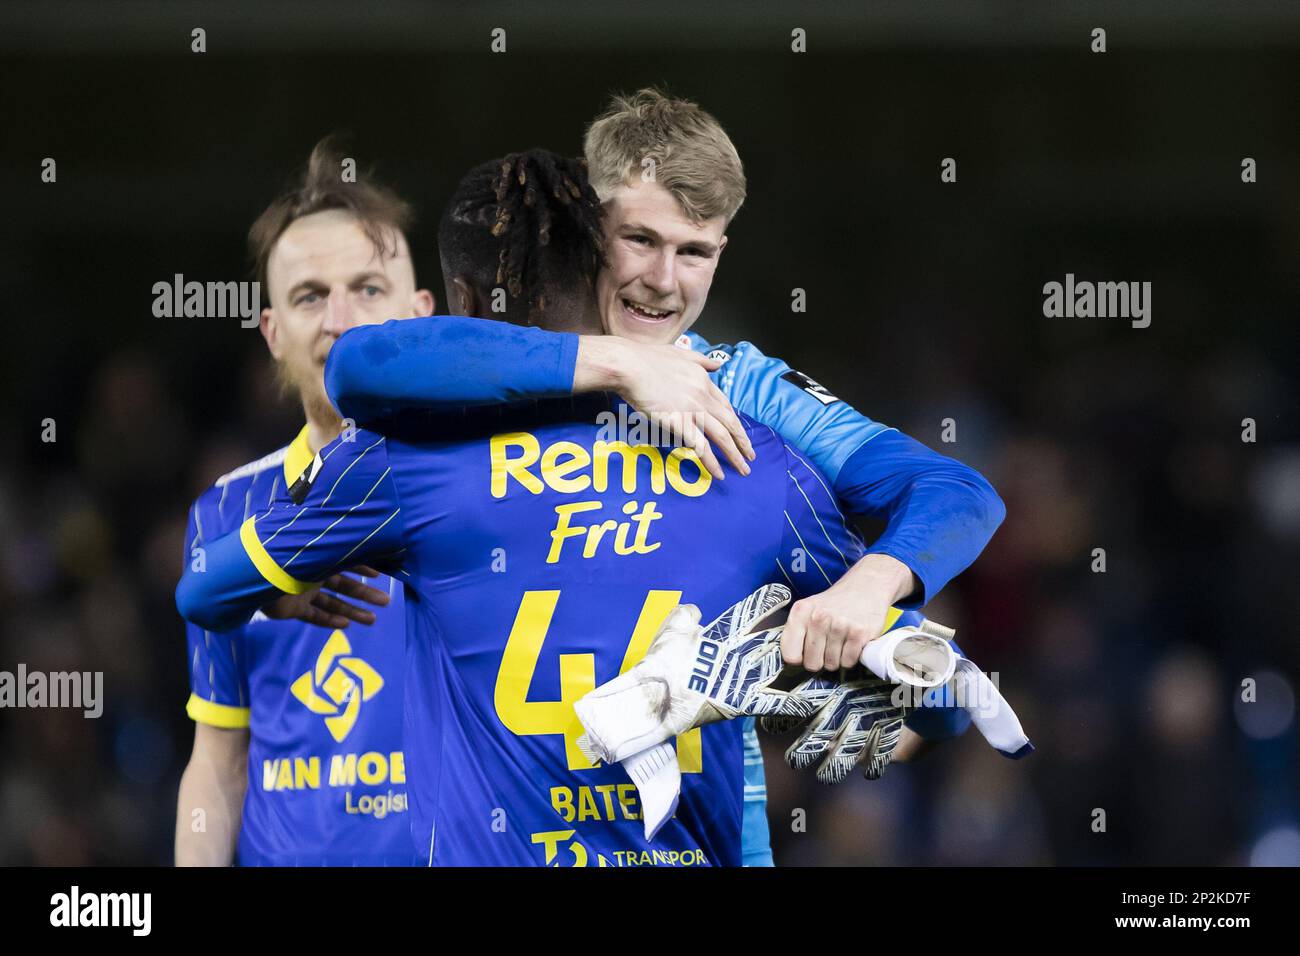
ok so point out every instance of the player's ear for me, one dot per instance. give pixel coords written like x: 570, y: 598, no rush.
x: 722, y: 244
x: 270, y: 331
x: 424, y: 303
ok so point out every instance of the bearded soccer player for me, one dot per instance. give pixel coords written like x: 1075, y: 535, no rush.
x: 539, y: 559
x: 664, y: 239
x: 297, y: 754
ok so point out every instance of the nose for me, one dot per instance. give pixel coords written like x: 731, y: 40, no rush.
x: 338, y: 312
x: 661, y: 275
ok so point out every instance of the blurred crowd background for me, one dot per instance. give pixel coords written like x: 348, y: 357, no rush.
x: 924, y: 304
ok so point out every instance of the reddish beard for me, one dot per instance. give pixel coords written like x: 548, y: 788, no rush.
x: 308, y: 385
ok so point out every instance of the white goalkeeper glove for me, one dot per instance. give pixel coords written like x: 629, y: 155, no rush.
x: 859, y: 713
x: 691, y: 676
x: 860, y: 720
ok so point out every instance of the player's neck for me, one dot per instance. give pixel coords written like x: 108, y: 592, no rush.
x: 320, y: 434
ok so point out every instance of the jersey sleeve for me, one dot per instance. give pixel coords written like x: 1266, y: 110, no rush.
x: 818, y: 546
x: 825, y: 429
x: 343, y: 511
x: 218, y: 679
x: 940, y: 512
x: 444, y: 362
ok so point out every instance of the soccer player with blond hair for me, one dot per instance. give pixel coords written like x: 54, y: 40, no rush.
x: 671, y: 182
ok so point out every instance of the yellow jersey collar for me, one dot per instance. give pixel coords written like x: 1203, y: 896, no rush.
x: 297, y: 457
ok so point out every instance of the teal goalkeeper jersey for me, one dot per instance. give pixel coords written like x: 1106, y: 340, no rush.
x: 540, y: 554
x: 326, y: 772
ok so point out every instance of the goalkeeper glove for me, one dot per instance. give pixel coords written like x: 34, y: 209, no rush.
x: 692, y: 676
x: 856, y: 722
x: 859, y: 716
x: 860, y: 720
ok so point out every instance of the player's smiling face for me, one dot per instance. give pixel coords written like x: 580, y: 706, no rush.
x: 325, y: 277
x: 659, y: 264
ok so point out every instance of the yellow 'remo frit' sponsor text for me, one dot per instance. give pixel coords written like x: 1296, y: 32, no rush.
x: 568, y: 468
x: 370, y: 769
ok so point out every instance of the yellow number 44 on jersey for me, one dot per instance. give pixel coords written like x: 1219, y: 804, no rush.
x: 526, y: 717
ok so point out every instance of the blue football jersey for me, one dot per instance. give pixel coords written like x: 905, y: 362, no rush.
x: 326, y: 772
x: 447, y: 362
x: 540, y: 554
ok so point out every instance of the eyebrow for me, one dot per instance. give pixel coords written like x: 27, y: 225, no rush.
x: 304, y: 285
x: 708, y: 247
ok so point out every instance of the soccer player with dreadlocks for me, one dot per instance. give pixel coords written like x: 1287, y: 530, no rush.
x: 664, y: 236
x: 538, y: 560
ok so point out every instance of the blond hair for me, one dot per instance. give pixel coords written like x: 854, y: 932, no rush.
x: 692, y: 155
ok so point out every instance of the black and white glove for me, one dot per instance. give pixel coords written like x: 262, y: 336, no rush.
x: 692, y: 676
x: 856, y: 722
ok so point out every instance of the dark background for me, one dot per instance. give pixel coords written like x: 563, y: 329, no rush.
x: 924, y: 303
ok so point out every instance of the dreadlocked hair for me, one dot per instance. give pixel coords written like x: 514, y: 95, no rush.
x: 528, y: 222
